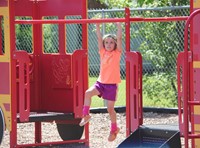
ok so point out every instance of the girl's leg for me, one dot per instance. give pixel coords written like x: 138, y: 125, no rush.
x: 114, y: 129
x: 111, y: 111
x: 92, y: 91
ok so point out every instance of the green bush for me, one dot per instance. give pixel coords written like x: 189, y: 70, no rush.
x: 158, y: 91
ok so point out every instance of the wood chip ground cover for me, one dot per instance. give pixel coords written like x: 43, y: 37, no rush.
x: 99, y: 130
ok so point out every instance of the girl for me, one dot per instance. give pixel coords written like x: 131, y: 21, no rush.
x: 106, y: 86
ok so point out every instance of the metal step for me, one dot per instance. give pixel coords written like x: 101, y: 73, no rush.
x: 145, y: 137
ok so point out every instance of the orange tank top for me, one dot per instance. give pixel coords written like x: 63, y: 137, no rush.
x: 109, y: 67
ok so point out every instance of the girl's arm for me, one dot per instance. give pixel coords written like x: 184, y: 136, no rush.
x: 119, y: 36
x: 99, y: 37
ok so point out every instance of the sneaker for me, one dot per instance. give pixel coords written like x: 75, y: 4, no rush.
x: 113, y: 135
x: 85, y: 120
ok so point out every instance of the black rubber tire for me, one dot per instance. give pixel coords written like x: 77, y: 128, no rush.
x: 2, y: 126
x: 70, y: 131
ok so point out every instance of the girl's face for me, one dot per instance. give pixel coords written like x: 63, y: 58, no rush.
x: 109, y: 44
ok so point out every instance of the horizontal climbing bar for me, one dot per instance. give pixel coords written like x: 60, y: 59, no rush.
x: 162, y: 19
x: 107, y: 20
x: 71, y: 21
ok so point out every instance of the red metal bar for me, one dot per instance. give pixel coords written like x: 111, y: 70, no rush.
x: 127, y: 32
x: 85, y: 28
x: 106, y: 20
x: 38, y: 132
x: 61, y: 39
x: 160, y: 19
x: 71, y: 21
x: 36, y: 88
x: 191, y: 6
x: 85, y: 69
x: 140, y: 98
x: 13, y: 132
x: 180, y: 67
x: 192, y: 136
x: 192, y: 72
x: 194, y: 102
x: 49, y: 143
x: 127, y: 28
x: 133, y: 83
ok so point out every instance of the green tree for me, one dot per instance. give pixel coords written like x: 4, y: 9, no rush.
x: 24, y: 36
x: 160, y: 44
x: 143, y: 3
x: 117, y: 3
x: 161, y: 3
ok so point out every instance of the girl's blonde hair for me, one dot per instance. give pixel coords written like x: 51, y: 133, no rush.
x: 113, y: 36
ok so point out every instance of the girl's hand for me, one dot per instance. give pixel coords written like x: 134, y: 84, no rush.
x: 118, y: 25
x: 97, y: 25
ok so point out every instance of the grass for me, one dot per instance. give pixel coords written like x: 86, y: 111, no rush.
x: 157, y: 92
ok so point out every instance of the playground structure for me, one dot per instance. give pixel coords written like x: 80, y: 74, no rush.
x: 30, y: 80
x: 31, y: 91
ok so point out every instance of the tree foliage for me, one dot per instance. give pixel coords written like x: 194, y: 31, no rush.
x: 143, y: 3
x: 117, y: 3
x: 161, y: 3
x: 24, y: 36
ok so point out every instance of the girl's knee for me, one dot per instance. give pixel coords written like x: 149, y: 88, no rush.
x: 89, y: 93
x: 110, y: 109
x: 92, y: 91
x: 111, y: 106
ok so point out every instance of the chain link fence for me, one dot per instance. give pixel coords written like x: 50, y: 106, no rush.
x: 158, y: 42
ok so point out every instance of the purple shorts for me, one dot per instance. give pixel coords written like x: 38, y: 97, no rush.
x: 107, y: 91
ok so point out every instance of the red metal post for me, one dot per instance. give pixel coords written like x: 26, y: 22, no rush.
x: 191, y: 75
x: 127, y: 39
x: 62, y: 44
x: 140, y: 98
x: 38, y: 132
x: 180, y: 77
x: 13, y: 132
x: 134, y: 106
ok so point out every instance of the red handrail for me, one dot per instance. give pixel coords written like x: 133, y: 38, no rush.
x: 106, y: 20
x: 186, y: 75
